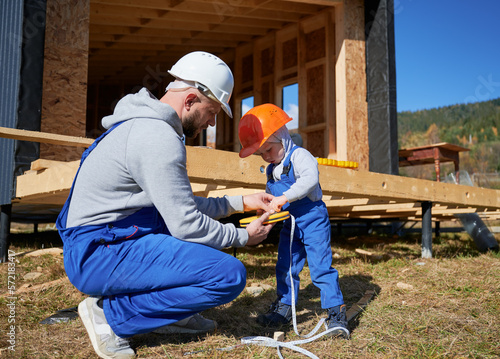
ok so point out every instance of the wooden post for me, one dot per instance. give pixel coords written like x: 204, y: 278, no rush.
x: 5, y: 215
x: 350, y: 84
x: 426, y: 229
x: 437, y: 165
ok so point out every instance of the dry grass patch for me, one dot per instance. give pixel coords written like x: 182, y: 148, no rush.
x: 447, y: 306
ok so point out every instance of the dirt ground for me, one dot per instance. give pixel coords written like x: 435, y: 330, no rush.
x: 447, y: 306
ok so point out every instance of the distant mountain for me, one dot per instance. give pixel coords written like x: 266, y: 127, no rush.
x: 474, y: 125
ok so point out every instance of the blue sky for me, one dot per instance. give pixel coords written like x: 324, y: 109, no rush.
x: 447, y: 52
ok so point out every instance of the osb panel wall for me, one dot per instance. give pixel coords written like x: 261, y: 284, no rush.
x: 224, y: 138
x: 313, y: 82
x: 316, y: 143
x: 354, y: 101
x: 266, y: 92
x: 315, y: 45
x: 247, y: 75
x: 289, y: 56
x: 263, y: 81
x: 282, y: 58
x: 310, y: 54
x: 64, y: 97
x: 224, y: 130
x: 267, y: 61
x: 316, y: 95
x: 243, y: 87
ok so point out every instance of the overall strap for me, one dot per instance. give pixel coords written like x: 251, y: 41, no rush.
x: 287, y: 163
x: 269, y: 172
x: 96, y: 142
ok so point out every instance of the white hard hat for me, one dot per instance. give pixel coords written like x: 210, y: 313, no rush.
x: 211, y: 75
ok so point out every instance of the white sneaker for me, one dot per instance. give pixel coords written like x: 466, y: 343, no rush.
x: 194, y: 324
x: 106, y: 343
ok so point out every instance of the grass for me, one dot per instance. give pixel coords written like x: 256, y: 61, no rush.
x: 444, y: 307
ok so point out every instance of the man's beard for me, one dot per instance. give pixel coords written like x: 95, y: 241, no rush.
x: 189, y: 126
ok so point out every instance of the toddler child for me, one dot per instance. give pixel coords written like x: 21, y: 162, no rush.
x: 293, y: 178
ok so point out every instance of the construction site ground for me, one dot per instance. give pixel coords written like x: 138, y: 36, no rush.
x: 447, y: 306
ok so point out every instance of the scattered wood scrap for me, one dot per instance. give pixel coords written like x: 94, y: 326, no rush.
x: 56, y: 251
x: 26, y: 288
x: 358, y: 307
x: 42, y: 164
x: 368, y: 255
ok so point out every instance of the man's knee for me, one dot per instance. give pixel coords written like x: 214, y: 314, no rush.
x: 230, y: 277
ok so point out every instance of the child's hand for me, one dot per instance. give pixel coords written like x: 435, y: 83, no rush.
x: 278, y: 202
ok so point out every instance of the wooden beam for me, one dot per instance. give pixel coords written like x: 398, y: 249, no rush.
x: 133, y: 40
x: 319, y: 2
x: 53, y: 180
x: 218, y: 173
x: 338, y: 181
x: 219, y: 6
x: 42, y: 164
x: 186, y: 9
x: 44, y: 137
x: 230, y: 169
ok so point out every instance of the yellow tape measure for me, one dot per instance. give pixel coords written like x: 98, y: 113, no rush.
x: 276, y: 217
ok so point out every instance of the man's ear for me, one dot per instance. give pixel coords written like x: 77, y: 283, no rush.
x: 190, y: 100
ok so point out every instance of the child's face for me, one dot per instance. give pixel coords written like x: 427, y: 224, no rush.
x: 271, y: 152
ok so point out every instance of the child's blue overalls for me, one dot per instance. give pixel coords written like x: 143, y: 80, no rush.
x: 147, y: 278
x: 311, y: 239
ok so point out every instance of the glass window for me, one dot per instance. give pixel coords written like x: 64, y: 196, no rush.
x: 246, y: 104
x: 291, y: 104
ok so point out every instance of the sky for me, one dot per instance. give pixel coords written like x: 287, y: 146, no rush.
x: 447, y: 52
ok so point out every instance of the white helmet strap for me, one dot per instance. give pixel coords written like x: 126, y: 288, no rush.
x: 183, y: 84
x: 180, y: 84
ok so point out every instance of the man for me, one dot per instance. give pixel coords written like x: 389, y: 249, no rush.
x: 135, y: 237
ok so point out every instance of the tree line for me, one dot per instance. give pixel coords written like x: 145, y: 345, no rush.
x: 474, y: 126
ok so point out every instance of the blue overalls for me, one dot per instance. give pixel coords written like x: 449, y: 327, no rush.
x: 311, y: 239
x: 147, y: 278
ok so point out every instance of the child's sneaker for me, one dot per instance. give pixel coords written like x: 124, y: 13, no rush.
x: 337, y: 319
x: 105, y: 342
x: 279, y: 314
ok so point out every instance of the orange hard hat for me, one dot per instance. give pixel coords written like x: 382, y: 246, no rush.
x: 258, y: 124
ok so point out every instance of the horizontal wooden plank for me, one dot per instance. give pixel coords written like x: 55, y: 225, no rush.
x: 186, y: 10
x: 218, y: 6
x: 42, y: 164
x: 44, y: 137
x: 230, y: 169
x: 54, y: 179
x: 318, y: 2
x: 337, y: 181
x: 347, y: 193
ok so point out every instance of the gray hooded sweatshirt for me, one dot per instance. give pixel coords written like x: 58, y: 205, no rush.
x: 305, y: 170
x: 142, y: 163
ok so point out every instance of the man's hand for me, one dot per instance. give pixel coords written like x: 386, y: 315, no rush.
x: 257, y: 231
x: 258, y: 201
